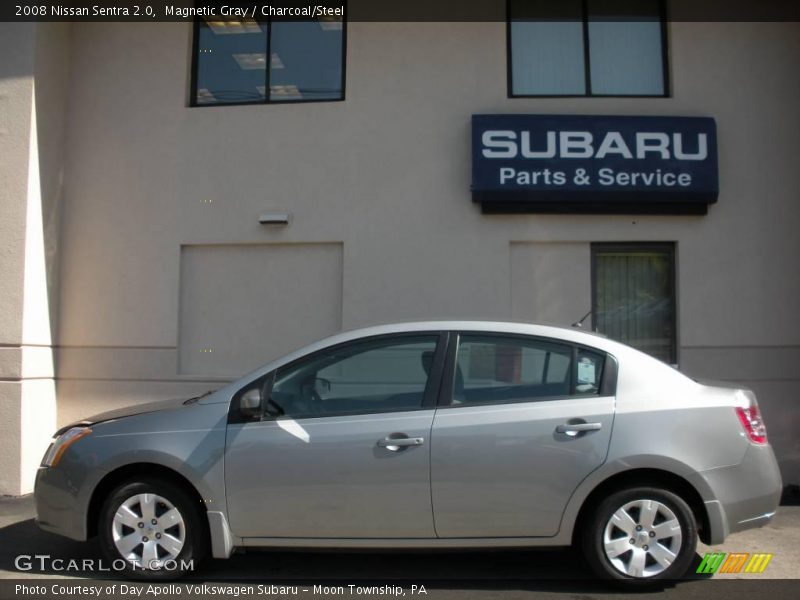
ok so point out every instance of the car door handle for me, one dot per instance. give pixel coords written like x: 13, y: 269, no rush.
x: 574, y: 429
x: 395, y: 444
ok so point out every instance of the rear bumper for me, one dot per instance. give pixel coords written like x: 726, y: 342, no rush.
x: 745, y: 495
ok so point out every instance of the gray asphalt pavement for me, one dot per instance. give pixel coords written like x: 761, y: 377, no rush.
x: 506, y: 574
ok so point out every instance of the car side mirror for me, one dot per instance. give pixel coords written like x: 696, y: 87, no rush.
x: 250, y: 403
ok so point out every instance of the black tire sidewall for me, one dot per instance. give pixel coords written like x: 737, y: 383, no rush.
x: 592, y: 540
x: 195, y: 544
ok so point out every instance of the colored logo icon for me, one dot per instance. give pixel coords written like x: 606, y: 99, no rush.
x: 734, y: 562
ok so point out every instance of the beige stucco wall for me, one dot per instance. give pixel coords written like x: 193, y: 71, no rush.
x: 33, y: 101
x: 233, y: 296
x: 385, y: 175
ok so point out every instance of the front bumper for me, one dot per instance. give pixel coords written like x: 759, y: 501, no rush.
x: 745, y: 495
x: 57, y: 507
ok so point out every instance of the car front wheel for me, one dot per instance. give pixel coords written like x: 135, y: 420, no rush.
x: 641, y: 535
x: 152, y: 529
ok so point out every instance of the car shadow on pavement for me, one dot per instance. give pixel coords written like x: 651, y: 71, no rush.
x: 549, y: 570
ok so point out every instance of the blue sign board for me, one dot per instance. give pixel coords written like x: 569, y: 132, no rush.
x: 594, y: 164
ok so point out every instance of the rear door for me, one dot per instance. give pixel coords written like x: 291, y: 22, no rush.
x: 521, y: 422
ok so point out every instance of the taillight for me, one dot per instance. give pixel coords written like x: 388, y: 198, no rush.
x: 753, y: 424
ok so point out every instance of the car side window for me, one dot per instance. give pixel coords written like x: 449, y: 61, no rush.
x: 381, y: 375
x: 494, y: 369
x: 588, y: 372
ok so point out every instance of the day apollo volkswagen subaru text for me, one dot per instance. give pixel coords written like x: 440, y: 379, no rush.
x: 424, y: 435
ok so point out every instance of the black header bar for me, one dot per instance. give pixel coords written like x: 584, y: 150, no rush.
x: 357, y: 10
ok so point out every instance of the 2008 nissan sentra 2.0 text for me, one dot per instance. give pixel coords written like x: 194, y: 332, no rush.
x: 424, y: 435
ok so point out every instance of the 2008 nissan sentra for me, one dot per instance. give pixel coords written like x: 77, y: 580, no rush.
x: 424, y: 435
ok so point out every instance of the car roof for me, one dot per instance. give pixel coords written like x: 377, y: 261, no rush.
x: 568, y: 334
x: 539, y: 329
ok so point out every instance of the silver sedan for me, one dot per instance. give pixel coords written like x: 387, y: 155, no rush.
x: 423, y: 435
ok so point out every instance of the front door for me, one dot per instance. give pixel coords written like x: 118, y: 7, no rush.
x: 344, y: 450
x: 526, y: 422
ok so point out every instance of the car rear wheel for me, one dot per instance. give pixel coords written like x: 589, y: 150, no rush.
x: 152, y: 529
x: 641, y: 535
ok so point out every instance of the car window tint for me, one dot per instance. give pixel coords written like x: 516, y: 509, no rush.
x: 500, y: 369
x: 497, y: 369
x: 373, y: 376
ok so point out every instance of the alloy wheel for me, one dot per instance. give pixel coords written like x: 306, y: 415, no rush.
x: 642, y: 538
x: 148, y: 531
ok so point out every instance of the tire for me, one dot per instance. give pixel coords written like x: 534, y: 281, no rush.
x: 153, y: 527
x: 659, y: 551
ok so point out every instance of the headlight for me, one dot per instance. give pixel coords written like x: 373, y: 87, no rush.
x: 61, y: 443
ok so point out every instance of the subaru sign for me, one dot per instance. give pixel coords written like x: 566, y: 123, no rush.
x: 594, y: 164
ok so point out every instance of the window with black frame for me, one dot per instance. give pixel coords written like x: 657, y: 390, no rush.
x: 380, y: 375
x: 587, y: 48
x: 502, y: 369
x: 633, y: 289
x: 248, y: 61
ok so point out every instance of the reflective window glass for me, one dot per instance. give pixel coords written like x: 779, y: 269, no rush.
x: 586, y: 47
x: 230, y: 61
x: 626, y: 48
x: 241, y: 61
x: 306, y: 60
x: 501, y: 369
x: 388, y: 374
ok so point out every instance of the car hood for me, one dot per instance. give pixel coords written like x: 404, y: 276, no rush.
x: 129, y: 411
